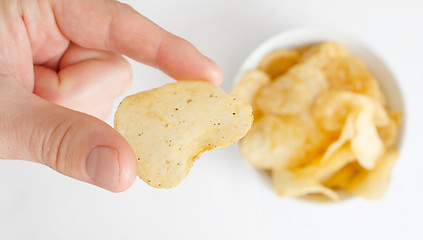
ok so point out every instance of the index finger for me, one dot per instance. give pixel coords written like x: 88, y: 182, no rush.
x: 113, y: 26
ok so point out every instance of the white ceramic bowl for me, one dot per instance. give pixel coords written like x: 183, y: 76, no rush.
x: 301, y: 37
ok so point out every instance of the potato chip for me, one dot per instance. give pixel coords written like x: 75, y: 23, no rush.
x: 278, y: 62
x: 320, y: 54
x: 374, y: 184
x: 366, y: 143
x: 313, y: 78
x: 169, y: 127
x: 389, y: 132
x: 331, y: 109
x: 361, y: 131
x: 347, y: 134
x: 316, y: 140
x: 321, y: 169
x: 323, y: 127
x: 250, y: 83
x: 288, y: 184
x: 291, y: 93
x: 340, y: 179
x: 272, y: 142
x: 351, y: 74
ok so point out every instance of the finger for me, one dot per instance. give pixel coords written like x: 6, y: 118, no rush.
x: 72, y: 143
x: 113, y: 26
x: 102, y: 112
x: 86, y: 79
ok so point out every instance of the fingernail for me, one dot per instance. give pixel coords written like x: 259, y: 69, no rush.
x: 102, y: 167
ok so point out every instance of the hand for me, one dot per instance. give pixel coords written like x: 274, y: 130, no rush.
x: 58, y: 55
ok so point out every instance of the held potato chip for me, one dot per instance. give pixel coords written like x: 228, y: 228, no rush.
x: 169, y: 127
x: 278, y: 61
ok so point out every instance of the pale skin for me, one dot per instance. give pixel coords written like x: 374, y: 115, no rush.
x: 61, y: 66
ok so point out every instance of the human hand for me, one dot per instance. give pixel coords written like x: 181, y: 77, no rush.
x: 58, y: 55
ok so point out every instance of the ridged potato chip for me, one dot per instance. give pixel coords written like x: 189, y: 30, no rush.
x: 278, y: 61
x: 169, y: 127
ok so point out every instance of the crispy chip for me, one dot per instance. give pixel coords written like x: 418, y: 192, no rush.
x: 278, y: 62
x: 366, y: 143
x: 288, y: 184
x: 347, y: 134
x: 313, y: 78
x: 169, y: 127
x: 250, y: 83
x: 291, y: 93
x: 374, y: 184
x: 247, y: 88
x: 341, y: 178
x: 316, y: 140
x: 351, y: 74
x: 389, y: 132
x: 331, y: 109
x: 272, y: 142
x: 322, y: 169
x: 321, y: 54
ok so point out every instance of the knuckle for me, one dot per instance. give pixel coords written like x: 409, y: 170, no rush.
x: 123, y: 74
x: 55, y: 147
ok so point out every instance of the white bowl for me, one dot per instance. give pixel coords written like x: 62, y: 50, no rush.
x: 301, y: 37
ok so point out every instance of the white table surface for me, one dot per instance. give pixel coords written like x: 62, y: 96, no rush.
x: 222, y: 198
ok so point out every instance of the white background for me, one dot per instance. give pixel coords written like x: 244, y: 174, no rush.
x: 222, y: 198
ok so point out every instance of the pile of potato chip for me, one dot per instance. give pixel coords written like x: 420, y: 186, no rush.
x: 321, y: 123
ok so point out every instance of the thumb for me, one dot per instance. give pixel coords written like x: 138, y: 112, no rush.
x: 72, y: 143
